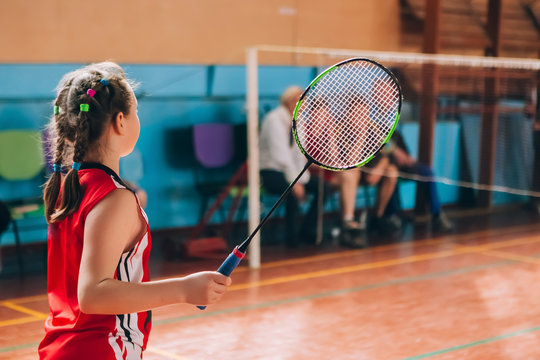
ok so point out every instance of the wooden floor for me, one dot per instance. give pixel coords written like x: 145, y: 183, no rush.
x: 472, y: 294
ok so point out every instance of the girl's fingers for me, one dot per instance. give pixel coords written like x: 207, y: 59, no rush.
x: 220, y: 289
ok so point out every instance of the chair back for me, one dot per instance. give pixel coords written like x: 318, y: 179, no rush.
x: 21, y: 154
x: 213, y: 144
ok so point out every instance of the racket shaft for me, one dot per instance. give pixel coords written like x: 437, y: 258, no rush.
x: 243, y: 247
x: 227, y: 267
x: 238, y: 253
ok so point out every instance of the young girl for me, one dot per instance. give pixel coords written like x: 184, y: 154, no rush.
x: 99, y: 241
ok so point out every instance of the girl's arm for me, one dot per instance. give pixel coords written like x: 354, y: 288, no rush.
x: 111, y: 227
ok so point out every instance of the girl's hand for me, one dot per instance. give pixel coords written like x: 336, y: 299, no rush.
x: 203, y: 288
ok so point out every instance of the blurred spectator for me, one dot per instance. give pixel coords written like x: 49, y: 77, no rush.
x: 399, y: 155
x: 281, y: 161
x: 381, y: 172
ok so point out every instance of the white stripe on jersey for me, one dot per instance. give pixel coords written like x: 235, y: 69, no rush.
x: 129, y: 351
x: 118, y: 185
x: 131, y: 268
x: 136, y: 272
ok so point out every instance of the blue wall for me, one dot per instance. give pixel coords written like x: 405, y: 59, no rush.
x: 172, y: 97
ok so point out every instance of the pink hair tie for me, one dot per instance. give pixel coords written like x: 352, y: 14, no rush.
x: 90, y: 92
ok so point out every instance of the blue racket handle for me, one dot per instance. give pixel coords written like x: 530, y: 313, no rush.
x: 227, y: 267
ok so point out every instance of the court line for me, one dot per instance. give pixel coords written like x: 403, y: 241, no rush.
x: 39, y: 315
x: 17, y: 321
x: 450, y: 239
x: 165, y: 353
x: 475, y: 343
x: 337, y: 292
x: 27, y: 299
x: 507, y: 255
x: 210, y: 313
x: 387, y: 263
x: 19, y: 347
x: 341, y: 270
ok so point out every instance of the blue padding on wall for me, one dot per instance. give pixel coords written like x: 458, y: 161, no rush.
x: 229, y: 80
x: 169, y: 80
x: 273, y: 80
x: 31, y: 80
x: 27, y: 115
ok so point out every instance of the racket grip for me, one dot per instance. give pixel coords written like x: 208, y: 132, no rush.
x: 227, y: 267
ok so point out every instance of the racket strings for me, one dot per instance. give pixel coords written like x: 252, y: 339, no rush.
x: 347, y: 115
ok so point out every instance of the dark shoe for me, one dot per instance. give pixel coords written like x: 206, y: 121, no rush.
x: 407, y: 217
x: 388, y: 224
x: 352, y: 225
x: 352, y: 239
x: 441, y: 224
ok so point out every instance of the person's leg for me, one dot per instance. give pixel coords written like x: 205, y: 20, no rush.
x: 274, y: 182
x: 348, y: 187
x: 393, y: 204
x: 385, y: 220
x: 439, y: 221
x: 429, y: 188
x: 386, y: 189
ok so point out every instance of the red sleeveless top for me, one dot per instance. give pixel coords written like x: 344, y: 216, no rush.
x: 69, y: 333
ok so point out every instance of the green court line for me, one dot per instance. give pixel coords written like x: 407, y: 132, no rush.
x: 405, y: 280
x: 475, y: 343
x: 19, y: 347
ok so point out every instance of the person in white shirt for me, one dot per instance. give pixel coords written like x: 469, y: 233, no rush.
x: 281, y: 161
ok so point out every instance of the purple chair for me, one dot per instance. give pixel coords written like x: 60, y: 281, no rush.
x: 214, y: 148
x: 213, y: 144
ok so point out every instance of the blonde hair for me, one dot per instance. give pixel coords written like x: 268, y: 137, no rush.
x: 291, y: 94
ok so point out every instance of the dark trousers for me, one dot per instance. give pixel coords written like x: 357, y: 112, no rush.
x: 274, y: 183
x: 429, y: 189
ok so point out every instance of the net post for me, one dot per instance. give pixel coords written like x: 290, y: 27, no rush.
x: 252, y: 97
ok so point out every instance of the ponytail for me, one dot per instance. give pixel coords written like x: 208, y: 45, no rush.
x: 72, y: 192
x: 52, y: 187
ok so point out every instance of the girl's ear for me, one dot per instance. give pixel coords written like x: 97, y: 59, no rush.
x: 119, y: 123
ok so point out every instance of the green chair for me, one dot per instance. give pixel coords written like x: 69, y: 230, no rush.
x: 21, y: 159
x: 21, y: 154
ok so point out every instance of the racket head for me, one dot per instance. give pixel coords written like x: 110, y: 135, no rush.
x: 347, y: 114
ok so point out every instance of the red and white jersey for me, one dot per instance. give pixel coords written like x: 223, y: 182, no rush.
x: 70, y: 333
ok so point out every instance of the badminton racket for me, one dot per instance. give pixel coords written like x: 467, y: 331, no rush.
x: 341, y: 121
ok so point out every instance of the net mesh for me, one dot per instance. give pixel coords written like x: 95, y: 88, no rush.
x: 469, y: 90
x: 469, y: 96
x: 346, y: 116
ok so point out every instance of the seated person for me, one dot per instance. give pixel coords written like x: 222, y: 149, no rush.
x: 380, y: 171
x: 281, y: 161
x: 399, y: 155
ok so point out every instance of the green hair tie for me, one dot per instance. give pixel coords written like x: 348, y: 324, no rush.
x: 85, y: 107
x: 56, y: 110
